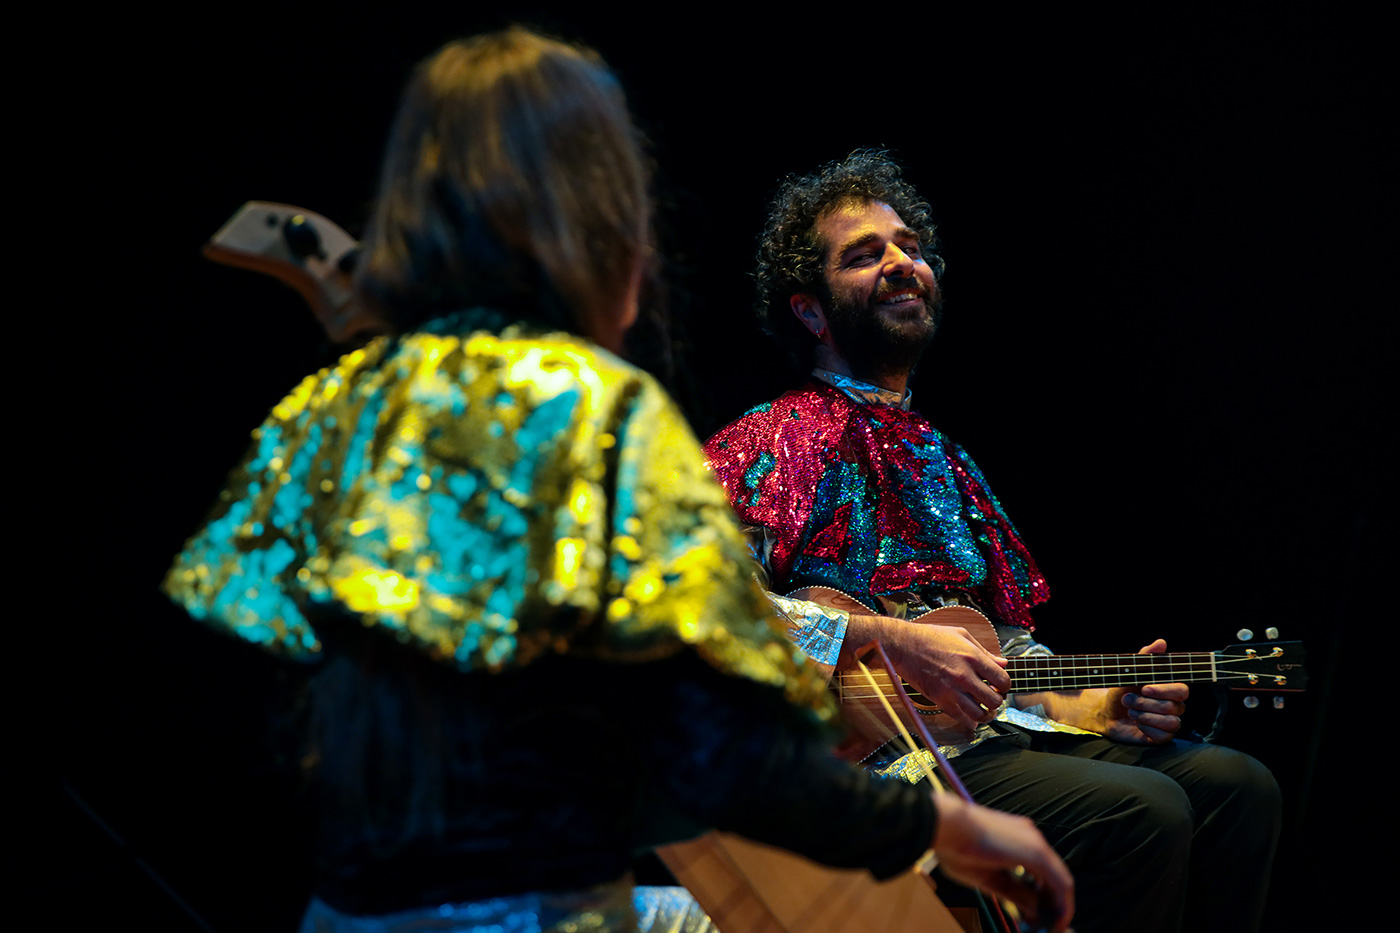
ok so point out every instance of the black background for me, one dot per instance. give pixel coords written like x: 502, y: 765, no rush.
x: 1166, y: 232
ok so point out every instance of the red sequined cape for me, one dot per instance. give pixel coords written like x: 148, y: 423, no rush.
x: 872, y: 500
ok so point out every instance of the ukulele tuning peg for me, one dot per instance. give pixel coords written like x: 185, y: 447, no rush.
x: 1271, y: 633
x: 1244, y: 634
x: 1278, y: 702
x: 1251, y: 702
x: 302, y: 238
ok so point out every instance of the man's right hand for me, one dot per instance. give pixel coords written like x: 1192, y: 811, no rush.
x: 980, y: 847
x: 942, y: 662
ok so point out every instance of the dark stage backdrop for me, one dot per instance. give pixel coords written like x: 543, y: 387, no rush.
x: 1163, y: 231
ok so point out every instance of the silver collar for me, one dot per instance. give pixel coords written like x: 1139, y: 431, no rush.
x: 863, y: 392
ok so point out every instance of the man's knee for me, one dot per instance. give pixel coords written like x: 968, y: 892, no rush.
x: 1157, y: 801
x: 1136, y: 810
x: 1238, y: 797
x: 1250, y: 775
x: 1221, y: 778
x: 1136, y: 838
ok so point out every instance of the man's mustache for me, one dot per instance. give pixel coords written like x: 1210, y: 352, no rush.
x: 895, y: 286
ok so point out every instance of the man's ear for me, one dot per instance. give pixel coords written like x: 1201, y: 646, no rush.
x: 809, y: 311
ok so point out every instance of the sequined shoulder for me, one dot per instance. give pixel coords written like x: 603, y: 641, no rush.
x: 781, y: 442
x: 486, y: 498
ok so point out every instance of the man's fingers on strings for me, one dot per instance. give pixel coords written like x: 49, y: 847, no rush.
x: 961, y: 711
x: 1157, y: 647
x: 996, y: 679
x: 971, y: 712
x: 1176, y: 692
x: 1142, y: 704
x: 988, y: 696
x: 1156, y: 721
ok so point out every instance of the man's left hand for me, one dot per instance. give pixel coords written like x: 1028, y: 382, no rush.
x: 1148, y: 716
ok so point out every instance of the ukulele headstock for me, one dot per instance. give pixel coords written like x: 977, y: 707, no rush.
x: 1268, y: 666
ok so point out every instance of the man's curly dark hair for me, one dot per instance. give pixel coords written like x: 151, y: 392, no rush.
x: 790, y: 257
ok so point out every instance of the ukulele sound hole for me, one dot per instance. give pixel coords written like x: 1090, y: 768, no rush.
x: 922, y: 704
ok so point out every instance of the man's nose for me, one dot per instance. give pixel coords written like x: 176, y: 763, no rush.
x: 898, y: 263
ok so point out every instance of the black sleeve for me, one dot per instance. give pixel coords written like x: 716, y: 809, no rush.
x: 734, y: 755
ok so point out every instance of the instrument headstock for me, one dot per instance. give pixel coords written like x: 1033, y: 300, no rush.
x: 1270, y: 666
x: 304, y: 250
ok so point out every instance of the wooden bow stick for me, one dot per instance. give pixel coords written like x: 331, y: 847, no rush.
x: 875, y: 648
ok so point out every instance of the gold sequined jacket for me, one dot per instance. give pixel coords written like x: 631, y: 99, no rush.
x: 487, y: 498
x: 535, y: 513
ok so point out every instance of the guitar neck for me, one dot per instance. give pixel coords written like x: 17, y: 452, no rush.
x: 1085, y: 671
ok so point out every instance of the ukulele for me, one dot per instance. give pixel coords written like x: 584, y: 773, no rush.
x: 1277, y: 666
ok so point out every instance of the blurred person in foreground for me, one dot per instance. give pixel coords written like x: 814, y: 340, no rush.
x: 540, y: 648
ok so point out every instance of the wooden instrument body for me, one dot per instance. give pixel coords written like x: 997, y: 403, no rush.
x: 748, y: 887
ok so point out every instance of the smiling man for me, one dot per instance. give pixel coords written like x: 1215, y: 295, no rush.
x: 875, y: 309
x: 843, y: 485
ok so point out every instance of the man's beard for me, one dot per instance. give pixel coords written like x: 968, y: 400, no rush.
x: 874, y: 345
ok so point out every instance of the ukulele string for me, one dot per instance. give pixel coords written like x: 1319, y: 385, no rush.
x: 874, y: 725
x: 937, y: 785
x: 1084, y: 671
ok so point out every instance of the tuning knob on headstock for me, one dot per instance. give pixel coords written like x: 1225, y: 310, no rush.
x: 301, y: 237
x: 348, y: 263
x: 1278, y: 702
x: 1271, y: 633
x: 1251, y: 702
x: 1244, y: 634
